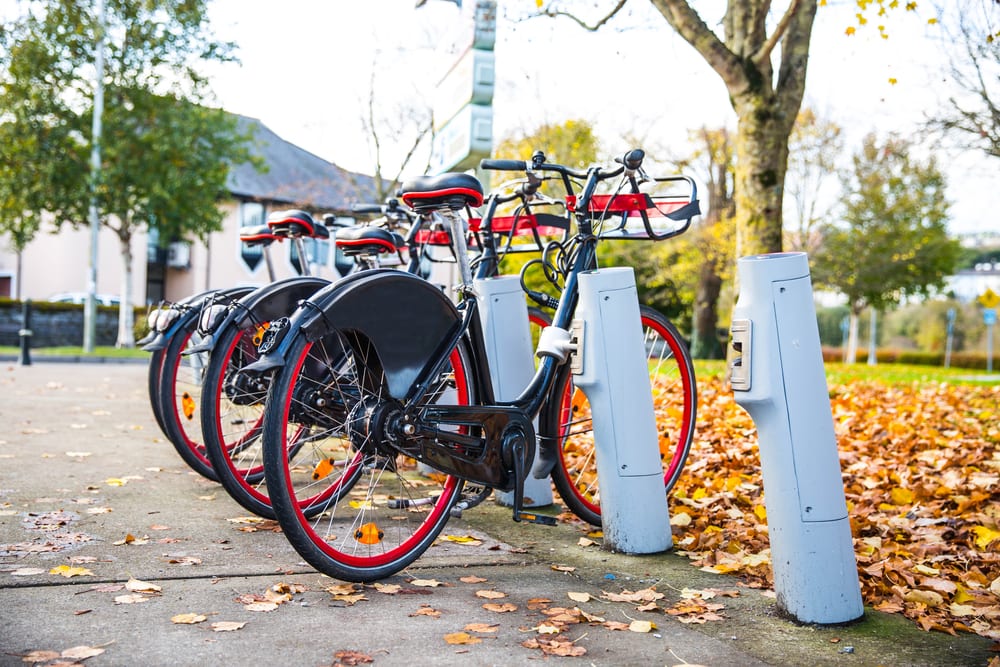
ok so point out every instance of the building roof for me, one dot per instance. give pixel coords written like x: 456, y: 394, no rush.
x: 295, y: 176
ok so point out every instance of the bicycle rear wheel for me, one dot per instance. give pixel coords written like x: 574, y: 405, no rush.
x: 568, y: 419
x: 352, y: 507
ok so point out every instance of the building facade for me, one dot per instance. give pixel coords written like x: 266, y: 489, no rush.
x: 56, y: 261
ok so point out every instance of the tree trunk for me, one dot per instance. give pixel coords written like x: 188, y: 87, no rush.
x: 852, y: 339
x: 766, y: 105
x: 126, y: 314
x: 704, y: 340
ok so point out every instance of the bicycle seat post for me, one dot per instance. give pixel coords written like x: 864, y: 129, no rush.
x: 456, y: 227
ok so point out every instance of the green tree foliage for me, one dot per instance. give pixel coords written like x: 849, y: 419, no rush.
x: 892, y: 241
x: 165, y: 157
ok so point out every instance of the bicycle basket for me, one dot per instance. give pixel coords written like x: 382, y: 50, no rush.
x: 664, y: 208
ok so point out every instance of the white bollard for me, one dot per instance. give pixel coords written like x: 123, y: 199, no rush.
x: 507, y: 334
x: 778, y: 378
x: 615, y: 378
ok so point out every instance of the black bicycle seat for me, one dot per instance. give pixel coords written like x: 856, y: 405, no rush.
x: 451, y: 190
x: 257, y: 235
x: 364, y: 239
x: 292, y: 223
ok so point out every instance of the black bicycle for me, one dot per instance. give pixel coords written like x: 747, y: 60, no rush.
x: 425, y: 419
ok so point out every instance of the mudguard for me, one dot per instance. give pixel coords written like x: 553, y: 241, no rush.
x: 406, y: 319
x: 279, y: 299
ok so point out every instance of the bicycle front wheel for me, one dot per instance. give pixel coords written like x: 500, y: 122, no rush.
x: 352, y: 507
x: 232, y: 418
x: 567, y: 418
x: 179, y: 394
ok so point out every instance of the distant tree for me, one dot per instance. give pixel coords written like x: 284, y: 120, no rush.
x: 891, y: 241
x: 813, y: 149
x: 165, y: 157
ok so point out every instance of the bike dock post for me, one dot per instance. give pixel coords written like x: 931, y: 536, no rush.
x: 778, y: 377
x: 612, y: 370
x: 507, y: 334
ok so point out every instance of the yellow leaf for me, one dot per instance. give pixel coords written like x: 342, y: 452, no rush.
x: 923, y: 569
x: 425, y: 583
x: 985, y: 536
x: 850, y: 31
x: 463, y: 539
x: 641, y: 626
x: 188, y: 619
x: 760, y: 512
x: 461, y: 638
x: 545, y: 629
x: 67, y: 571
x: 962, y: 609
x: 115, y: 481
x: 929, y: 598
x: 901, y: 496
x: 892, y: 81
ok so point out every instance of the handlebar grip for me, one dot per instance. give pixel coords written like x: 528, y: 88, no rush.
x: 367, y: 208
x: 632, y: 160
x: 503, y: 165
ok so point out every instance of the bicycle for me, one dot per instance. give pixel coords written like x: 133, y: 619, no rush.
x: 181, y: 337
x: 424, y: 389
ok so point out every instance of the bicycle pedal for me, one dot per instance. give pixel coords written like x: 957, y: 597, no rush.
x: 541, y: 519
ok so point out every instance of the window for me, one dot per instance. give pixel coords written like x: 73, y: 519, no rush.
x: 251, y: 215
x: 317, y: 252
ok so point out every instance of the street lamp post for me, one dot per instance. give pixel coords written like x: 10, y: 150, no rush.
x: 90, y: 308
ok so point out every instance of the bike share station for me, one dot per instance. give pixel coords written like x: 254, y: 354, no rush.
x: 778, y: 378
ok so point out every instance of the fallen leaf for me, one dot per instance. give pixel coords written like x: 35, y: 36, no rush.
x: 462, y: 638
x: 261, y: 606
x: 388, y: 589
x: 500, y: 608
x: 425, y: 583
x: 490, y: 595
x: 641, y: 626
x: 131, y: 598
x: 68, y: 571
x: 563, y: 568
x: 426, y: 610
x: 188, y: 619
x: 352, y: 658
x: 578, y: 597
x: 463, y: 539
x: 482, y: 627
x: 139, y: 586
x: 227, y: 626
x: 472, y: 579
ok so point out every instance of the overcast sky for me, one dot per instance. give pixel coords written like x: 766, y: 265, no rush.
x: 307, y: 68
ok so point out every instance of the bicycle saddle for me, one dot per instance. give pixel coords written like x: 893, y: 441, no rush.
x: 257, y: 235
x: 364, y: 239
x: 292, y: 223
x: 451, y: 190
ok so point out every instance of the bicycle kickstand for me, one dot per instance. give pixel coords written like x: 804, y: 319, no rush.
x: 516, y: 447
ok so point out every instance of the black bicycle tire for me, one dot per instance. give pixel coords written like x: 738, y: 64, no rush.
x: 190, y: 450
x: 577, y: 500
x: 294, y: 519
x: 241, y: 484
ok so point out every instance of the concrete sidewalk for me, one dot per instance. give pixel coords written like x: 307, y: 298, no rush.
x: 87, y: 481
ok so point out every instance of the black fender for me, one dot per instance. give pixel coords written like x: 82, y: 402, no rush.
x: 405, y: 319
x: 279, y: 299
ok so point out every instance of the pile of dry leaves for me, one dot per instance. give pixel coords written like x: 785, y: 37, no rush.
x: 921, y: 469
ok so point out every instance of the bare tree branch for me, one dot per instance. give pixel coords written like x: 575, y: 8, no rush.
x: 764, y: 52
x: 556, y: 12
